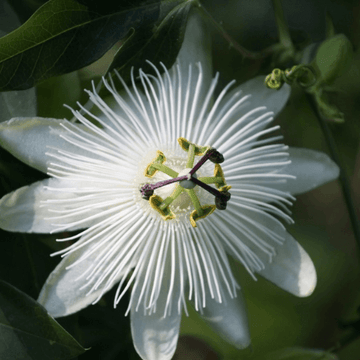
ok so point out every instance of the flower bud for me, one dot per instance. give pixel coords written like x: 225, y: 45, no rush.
x: 333, y: 57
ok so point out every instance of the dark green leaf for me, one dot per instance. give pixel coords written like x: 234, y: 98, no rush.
x: 66, y: 35
x: 154, y: 43
x: 27, y: 332
x: 25, y: 8
x: 298, y: 354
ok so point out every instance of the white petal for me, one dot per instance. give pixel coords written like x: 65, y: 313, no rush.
x: 229, y: 319
x: 311, y: 168
x: 273, y: 100
x: 29, y: 139
x: 196, y: 48
x: 17, y: 103
x: 291, y: 269
x: 23, y: 210
x: 155, y: 336
x: 260, y: 97
x: 62, y: 293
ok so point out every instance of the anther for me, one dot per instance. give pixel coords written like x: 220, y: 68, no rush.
x: 147, y: 190
x: 216, y: 157
x: 213, y: 155
x: 222, y: 199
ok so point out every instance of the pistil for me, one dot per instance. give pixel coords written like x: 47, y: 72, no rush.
x: 187, y: 180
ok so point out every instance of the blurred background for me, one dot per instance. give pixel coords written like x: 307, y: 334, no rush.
x: 277, y: 319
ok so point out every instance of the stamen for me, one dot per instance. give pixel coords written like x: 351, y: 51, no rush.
x: 221, y: 197
x: 148, y: 189
x: 213, y: 155
x: 188, y: 180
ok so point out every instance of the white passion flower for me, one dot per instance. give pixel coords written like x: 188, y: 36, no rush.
x: 163, y: 184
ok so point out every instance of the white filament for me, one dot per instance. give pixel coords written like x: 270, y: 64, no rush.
x: 130, y: 244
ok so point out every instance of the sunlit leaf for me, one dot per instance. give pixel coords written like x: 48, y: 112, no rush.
x: 66, y: 35
x: 27, y: 332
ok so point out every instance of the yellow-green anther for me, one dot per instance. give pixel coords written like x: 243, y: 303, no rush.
x: 151, y: 170
x: 218, y: 173
x: 187, y: 180
x: 191, y: 156
x: 206, y: 210
x: 156, y: 202
x: 195, y: 201
x: 185, y: 145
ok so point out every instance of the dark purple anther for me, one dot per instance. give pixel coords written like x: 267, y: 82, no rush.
x: 222, y: 199
x: 202, y: 161
x: 146, y: 191
x: 216, y: 157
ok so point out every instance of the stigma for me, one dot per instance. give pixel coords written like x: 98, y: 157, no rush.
x: 186, y: 181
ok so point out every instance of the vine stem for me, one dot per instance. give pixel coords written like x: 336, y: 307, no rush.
x: 244, y: 52
x: 283, y: 30
x: 345, y: 184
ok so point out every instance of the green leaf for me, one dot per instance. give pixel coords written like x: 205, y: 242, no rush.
x: 15, y: 103
x: 25, y: 8
x: 299, y: 354
x: 334, y: 57
x: 27, y: 332
x: 66, y: 35
x: 159, y: 43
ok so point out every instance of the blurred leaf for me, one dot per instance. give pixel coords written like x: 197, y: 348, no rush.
x: 66, y: 35
x: 27, y: 332
x: 25, y: 8
x: 15, y: 103
x: 334, y: 57
x: 154, y: 43
x: 299, y: 354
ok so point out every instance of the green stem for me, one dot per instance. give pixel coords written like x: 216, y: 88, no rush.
x: 191, y: 156
x: 244, y: 52
x: 195, y: 201
x: 166, y: 170
x: 283, y: 30
x: 345, y: 184
x: 178, y: 190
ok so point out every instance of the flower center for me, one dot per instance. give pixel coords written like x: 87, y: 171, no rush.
x: 186, y: 180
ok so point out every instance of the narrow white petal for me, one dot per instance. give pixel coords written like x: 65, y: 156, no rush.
x: 53, y: 205
x: 155, y: 334
x: 291, y: 269
x: 66, y: 290
x: 311, y: 168
x: 36, y: 135
x: 261, y: 96
x: 196, y: 48
x: 229, y: 319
